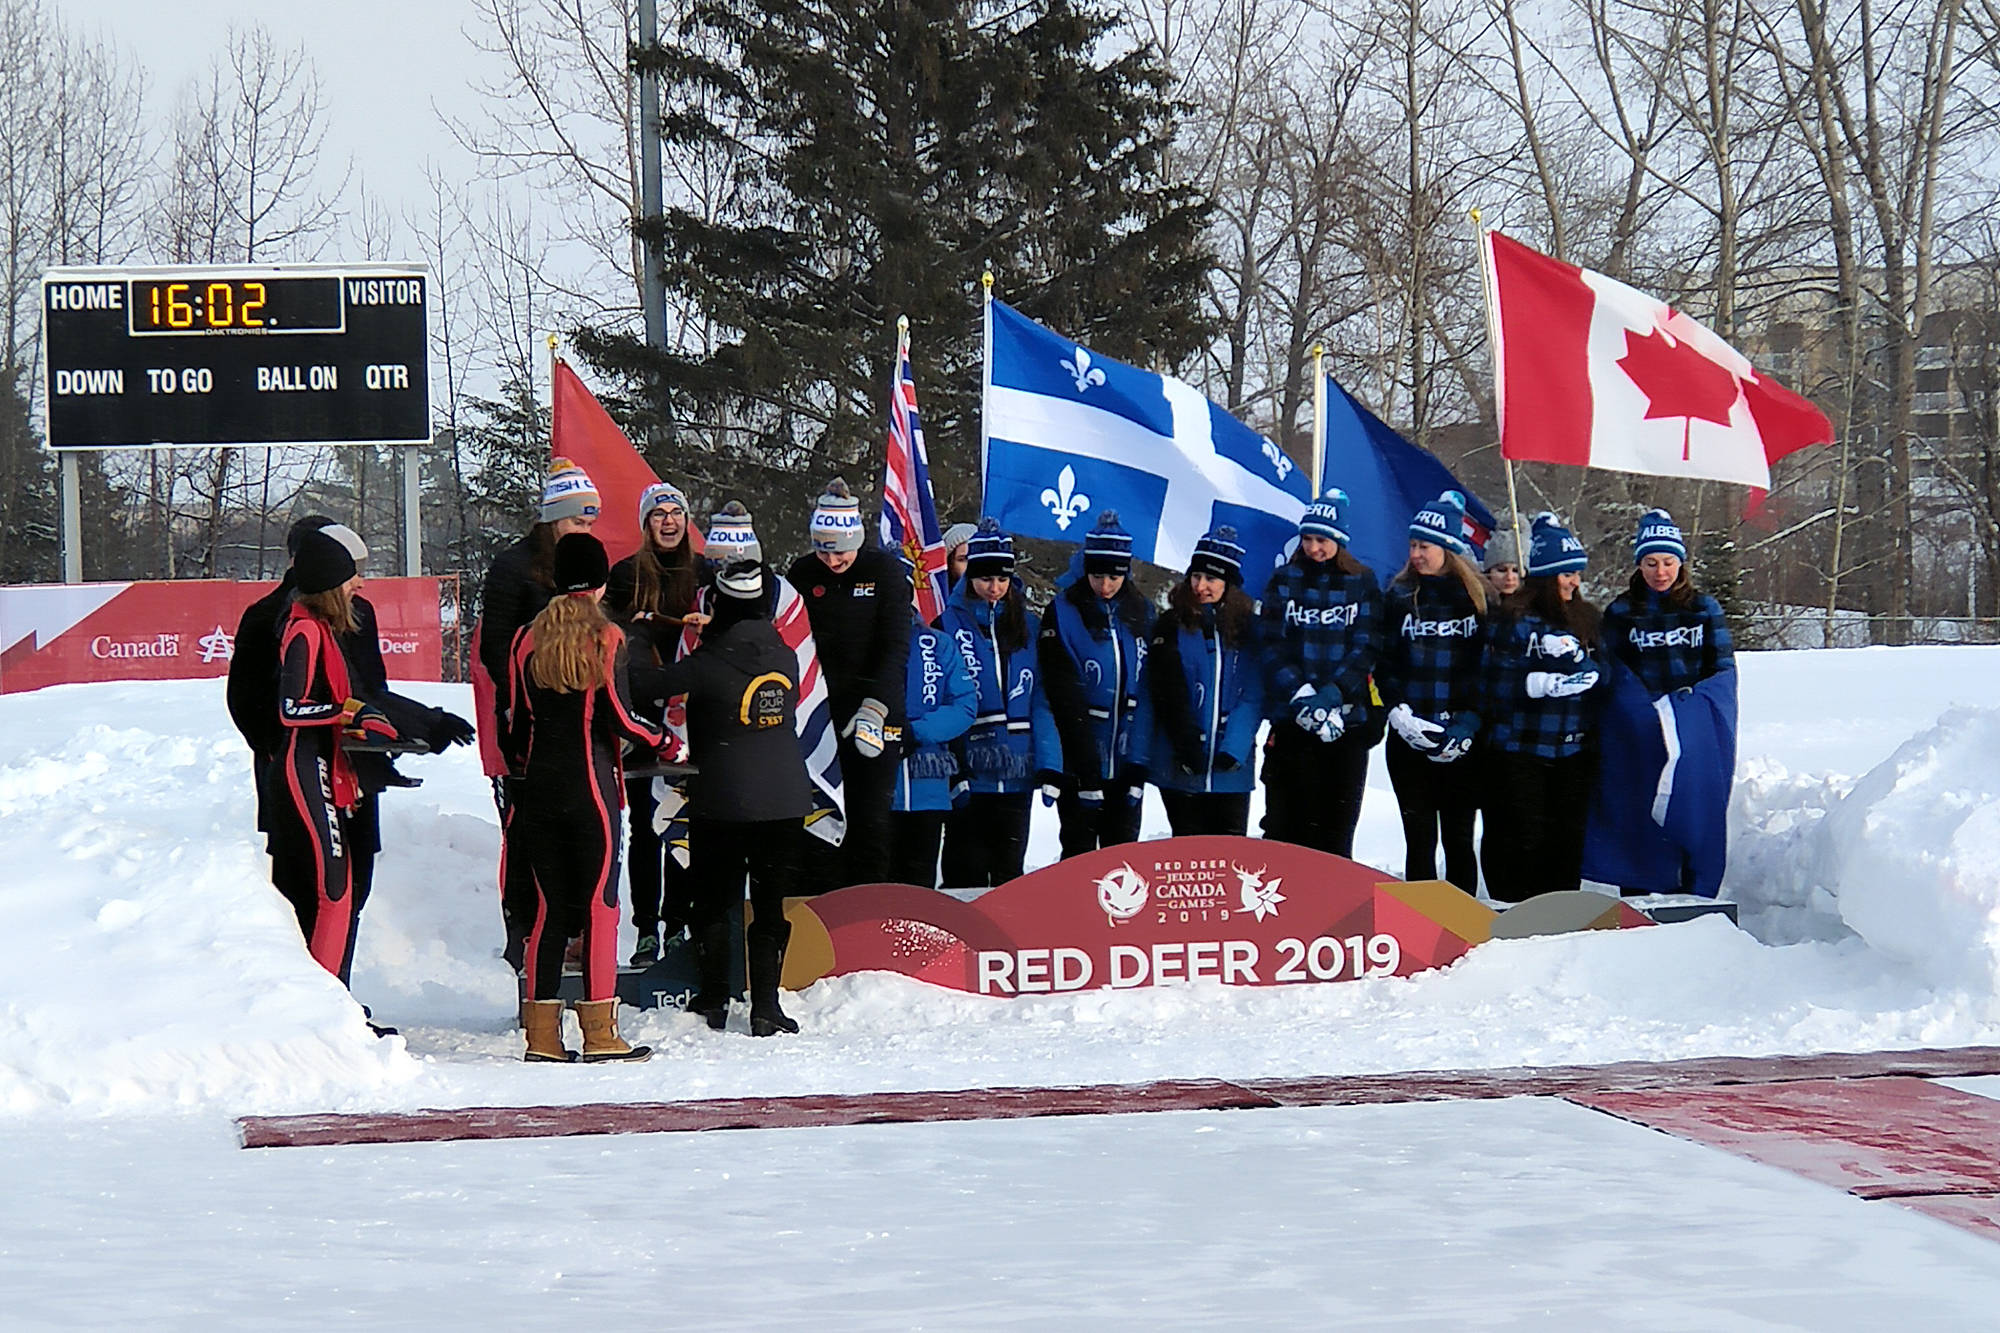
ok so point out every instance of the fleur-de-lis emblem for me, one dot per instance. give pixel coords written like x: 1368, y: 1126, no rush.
x: 1063, y: 499
x: 1083, y: 373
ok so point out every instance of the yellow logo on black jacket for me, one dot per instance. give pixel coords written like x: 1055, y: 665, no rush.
x: 764, y: 700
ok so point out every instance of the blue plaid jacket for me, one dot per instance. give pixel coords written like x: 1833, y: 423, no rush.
x: 1434, y: 639
x: 1546, y: 728
x: 1324, y: 628
x: 1669, y: 648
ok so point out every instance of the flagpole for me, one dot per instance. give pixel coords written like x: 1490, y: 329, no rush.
x: 555, y: 359
x: 1493, y: 345
x: 985, y: 378
x: 1319, y: 420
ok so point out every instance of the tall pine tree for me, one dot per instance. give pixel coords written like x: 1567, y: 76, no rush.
x: 875, y: 155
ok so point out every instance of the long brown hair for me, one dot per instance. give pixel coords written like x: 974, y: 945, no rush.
x: 663, y: 583
x: 1538, y: 597
x: 1233, y: 614
x: 573, y: 642
x: 1474, y: 582
x: 335, y: 606
x: 1678, y: 596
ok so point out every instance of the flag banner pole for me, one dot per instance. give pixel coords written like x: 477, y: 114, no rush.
x: 985, y: 382
x: 1493, y: 353
x: 1319, y: 420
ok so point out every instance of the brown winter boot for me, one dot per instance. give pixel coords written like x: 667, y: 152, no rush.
x: 542, y: 1021
x: 600, y: 1033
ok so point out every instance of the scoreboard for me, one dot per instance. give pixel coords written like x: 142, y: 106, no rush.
x: 291, y: 354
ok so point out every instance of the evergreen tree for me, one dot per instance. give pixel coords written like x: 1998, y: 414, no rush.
x: 28, y: 498
x: 878, y: 154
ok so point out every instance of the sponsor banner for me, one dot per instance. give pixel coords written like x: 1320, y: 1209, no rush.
x: 1239, y: 911
x: 68, y: 633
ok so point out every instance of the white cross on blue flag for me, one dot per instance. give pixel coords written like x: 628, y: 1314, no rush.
x: 1070, y: 434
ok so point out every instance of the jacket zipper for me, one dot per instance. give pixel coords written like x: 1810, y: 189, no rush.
x: 1117, y: 692
x: 1214, y: 710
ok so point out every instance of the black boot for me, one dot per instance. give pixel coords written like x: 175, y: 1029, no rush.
x: 767, y: 963
x: 712, y: 957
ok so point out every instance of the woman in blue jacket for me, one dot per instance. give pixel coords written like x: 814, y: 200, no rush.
x: 940, y: 701
x: 1203, y: 699
x: 1429, y: 681
x: 1540, y: 668
x: 1322, y: 631
x: 1672, y: 635
x: 1012, y: 736
x: 1093, y: 650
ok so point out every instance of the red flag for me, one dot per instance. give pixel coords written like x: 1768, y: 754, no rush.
x: 583, y: 432
x: 1591, y: 372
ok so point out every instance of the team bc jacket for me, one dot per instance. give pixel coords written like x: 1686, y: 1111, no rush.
x: 1091, y: 653
x: 1012, y: 737
x: 555, y: 739
x: 942, y: 701
x: 1669, y: 648
x: 1321, y: 628
x: 1203, y: 703
x: 1431, y: 651
x: 742, y: 694
x: 861, y: 627
x: 1517, y: 722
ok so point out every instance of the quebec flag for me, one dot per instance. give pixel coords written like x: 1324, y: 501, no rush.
x: 1070, y: 434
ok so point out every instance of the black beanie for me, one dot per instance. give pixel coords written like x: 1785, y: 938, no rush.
x: 580, y: 564
x: 300, y: 529
x: 322, y: 564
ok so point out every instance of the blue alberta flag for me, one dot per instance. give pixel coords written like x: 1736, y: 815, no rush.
x: 1664, y: 771
x: 1387, y: 480
x: 1070, y: 434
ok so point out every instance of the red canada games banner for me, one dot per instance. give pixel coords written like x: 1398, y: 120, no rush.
x: 68, y: 633
x: 1241, y: 911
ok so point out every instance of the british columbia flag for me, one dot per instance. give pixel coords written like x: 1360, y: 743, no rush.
x: 909, y: 512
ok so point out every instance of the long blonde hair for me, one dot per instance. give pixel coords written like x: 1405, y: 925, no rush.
x: 335, y: 606
x: 1475, y: 583
x: 573, y: 642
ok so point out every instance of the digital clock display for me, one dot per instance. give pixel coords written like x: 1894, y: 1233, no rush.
x: 235, y: 305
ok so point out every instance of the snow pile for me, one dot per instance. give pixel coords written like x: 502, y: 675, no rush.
x: 146, y: 957
x: 1912, y: 853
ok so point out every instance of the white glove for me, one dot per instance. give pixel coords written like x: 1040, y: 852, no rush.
x: 1331, y: 729
x: 1562, y: 645
x: 1418, y: 734
x: 868, y: 728
x: 1454, y: 748
x: 1555, y: 685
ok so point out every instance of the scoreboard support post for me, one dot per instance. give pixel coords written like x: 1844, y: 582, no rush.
x: 413, y: 527
x: 72, y: 519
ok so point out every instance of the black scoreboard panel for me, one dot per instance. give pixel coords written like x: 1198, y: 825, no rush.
x: 155, y: 357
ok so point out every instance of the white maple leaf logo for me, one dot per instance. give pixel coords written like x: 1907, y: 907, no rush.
x: 1259, y: 898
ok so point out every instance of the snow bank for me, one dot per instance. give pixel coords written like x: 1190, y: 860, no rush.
x: 146, y: 958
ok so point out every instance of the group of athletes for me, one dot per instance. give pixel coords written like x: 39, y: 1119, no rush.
x: 662, y: 686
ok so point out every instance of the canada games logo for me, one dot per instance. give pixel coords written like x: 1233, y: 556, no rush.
x: 1122, y: 893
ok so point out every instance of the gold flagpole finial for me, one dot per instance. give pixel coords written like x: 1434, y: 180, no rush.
x: 1474, y: 214
x: 986, y: 281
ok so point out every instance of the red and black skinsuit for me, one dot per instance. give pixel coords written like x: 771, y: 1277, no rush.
x: 566, y: 747
x: 311, y: 850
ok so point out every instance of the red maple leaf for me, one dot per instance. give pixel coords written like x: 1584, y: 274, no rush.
x: 1678, y: 381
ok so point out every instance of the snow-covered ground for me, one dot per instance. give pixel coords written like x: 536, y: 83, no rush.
x: 152, y: 986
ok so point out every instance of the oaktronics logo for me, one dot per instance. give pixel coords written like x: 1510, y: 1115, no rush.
x: 1260, y: 899
x: 1122, y: 893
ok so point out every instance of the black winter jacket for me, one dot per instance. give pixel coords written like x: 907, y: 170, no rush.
x: 861, y: 625
x: 512, y: 597
x: 742, y: 711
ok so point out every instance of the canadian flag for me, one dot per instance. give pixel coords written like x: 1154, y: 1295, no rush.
x: 1591, y: 372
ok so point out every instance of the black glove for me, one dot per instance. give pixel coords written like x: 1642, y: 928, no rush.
x: 449, y: 729
x: 1226, y: 763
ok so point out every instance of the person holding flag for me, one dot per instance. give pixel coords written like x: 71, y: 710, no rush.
x: 1322, y: 633
x: 1429, y: 681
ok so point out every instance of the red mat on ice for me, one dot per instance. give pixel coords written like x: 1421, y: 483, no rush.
x: 1925, y: 1146
x: 1578, y: 1082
